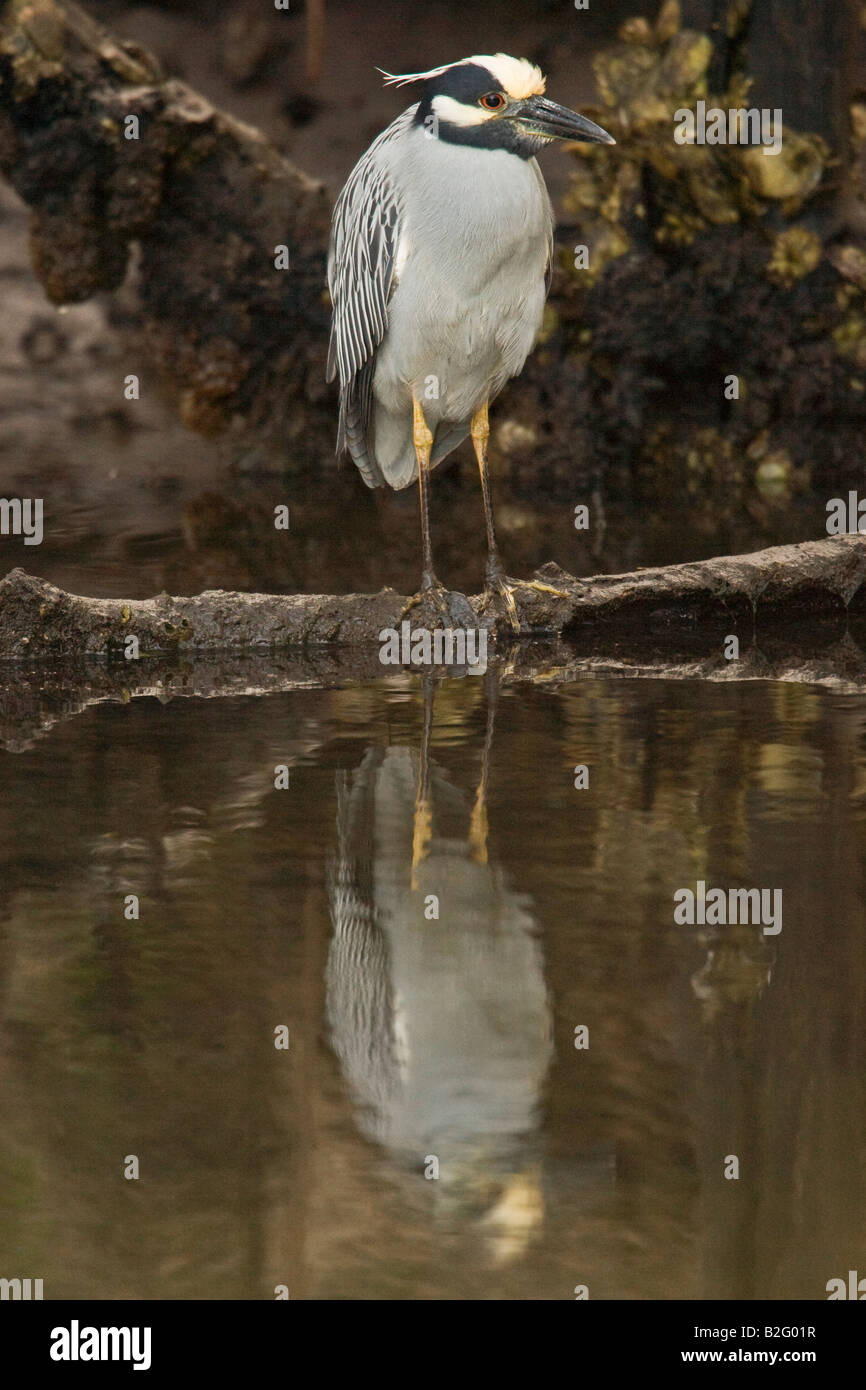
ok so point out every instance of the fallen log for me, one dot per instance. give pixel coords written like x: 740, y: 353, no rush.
x: 814, y: 589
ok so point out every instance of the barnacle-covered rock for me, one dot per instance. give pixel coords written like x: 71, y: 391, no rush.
x: 685, y: 63
x: 619, y: 72
x: 549, y: 324
x: 850, y: 261
x: 850, y: 338
x: 44, y: 28
x: 709, y: 186
x: 710, y: 456
x: 774, y: 475
x: 644, y: 80
x: 515, y: 437
x: 723, y: 272
x: 585, y: 189
x: 669, y: 21
x: 636, y: 30
x: 738, y: 14
x: 796, y: 252
x: 679, y: 228
x: 609, y: 241
x: 605, y: 242
x: 792, y: 174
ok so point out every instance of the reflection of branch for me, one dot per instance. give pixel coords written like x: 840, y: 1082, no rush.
x: 35, y: 696
x: 695, y: 605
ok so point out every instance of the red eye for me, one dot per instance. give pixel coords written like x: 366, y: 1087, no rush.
x: 493, y: 101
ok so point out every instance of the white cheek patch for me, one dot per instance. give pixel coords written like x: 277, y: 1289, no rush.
x: 456, y: 113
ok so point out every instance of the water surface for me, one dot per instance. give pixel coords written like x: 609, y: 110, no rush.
x: 412, y: 1038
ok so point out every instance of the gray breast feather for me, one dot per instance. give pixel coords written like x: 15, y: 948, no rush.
x: 364, y: 234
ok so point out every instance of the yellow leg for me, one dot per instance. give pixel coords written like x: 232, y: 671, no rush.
x: 496, y: 581
x: 422, y: 438
x: 480, y: 431
x: 423, y: 441
x: 480, y: 427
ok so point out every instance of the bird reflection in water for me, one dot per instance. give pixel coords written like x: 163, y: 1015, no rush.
x: 441, y: 1024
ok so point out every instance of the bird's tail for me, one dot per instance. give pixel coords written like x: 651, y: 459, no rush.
x: 353, y: 433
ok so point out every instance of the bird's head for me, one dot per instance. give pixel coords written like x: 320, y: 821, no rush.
x: 492, y: 101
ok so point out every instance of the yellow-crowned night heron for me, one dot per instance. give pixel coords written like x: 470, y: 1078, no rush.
x: 438, y: 269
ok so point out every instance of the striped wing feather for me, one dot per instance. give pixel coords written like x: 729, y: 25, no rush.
x: 364, y: 234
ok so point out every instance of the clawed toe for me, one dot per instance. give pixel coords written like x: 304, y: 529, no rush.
x: 452, y: 609
x: 500, y: 586
x: 541, y: 588
x: 423, y: 596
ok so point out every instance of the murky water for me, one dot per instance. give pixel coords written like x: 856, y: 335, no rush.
x: 419, y: 1042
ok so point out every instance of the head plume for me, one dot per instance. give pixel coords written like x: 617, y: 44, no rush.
x: 517, y: 76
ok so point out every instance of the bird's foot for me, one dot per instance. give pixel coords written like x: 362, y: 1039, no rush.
x: 500, y: 586
x: 496, y: 587
x: 449, y: 607
x: 432, y: 592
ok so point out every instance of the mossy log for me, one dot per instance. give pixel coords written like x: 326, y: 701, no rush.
x: 816, y: 588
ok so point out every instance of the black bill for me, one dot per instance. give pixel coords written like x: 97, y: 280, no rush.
x: 539, y: 116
